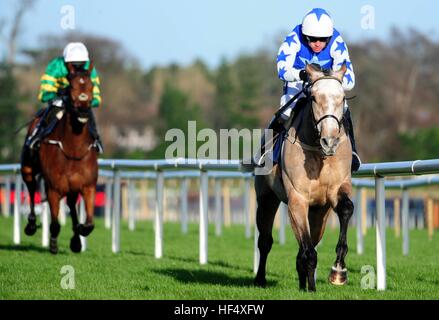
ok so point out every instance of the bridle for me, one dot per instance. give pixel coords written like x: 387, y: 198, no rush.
x: 317, y: 122
x: 78, y: 112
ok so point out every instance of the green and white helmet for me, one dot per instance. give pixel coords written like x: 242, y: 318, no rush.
x: 75, y: 52
x: 317, y: 23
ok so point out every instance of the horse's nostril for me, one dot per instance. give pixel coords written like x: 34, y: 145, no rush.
x: 329, y: 142
x: 325, y: 142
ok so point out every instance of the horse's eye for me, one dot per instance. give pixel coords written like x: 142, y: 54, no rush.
x: 313, y: 98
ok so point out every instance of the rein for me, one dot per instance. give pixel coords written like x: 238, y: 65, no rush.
x: 75, y: 113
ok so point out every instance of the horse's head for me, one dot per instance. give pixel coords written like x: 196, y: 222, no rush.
x: 81, y: 92
x: 328, y: 100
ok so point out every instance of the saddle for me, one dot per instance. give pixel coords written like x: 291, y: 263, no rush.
x: 296, y: 114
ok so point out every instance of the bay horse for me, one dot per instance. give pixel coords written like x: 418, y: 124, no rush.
x: 313, y: 179
x: 66, y: 160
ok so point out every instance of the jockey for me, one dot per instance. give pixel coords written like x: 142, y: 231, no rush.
x: 317, y: 42
x: 52, y: 91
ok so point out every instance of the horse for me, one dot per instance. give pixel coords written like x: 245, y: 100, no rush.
x: 314, y: 178
x: 66, y: 160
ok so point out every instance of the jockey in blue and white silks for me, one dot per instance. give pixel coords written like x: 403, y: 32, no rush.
x: 297, y: 50
x: 314, y: 41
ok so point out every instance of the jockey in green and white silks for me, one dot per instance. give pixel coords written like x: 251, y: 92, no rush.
x: 55, y: 78
x: 314, y: 41
x: 52, y: 91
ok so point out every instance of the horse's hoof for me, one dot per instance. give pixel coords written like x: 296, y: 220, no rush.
x: 53, y: 246
x: 338, y: 276
x: 30, y: 229
x: 260, y: 282
x: 75, y: 244
x: 85, y: 229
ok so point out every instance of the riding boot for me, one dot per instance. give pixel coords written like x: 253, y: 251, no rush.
x: 356, y: 161
x: 47, y: 123
x: 33, y: 140
x: 277, y: 127
x: 94, y: 133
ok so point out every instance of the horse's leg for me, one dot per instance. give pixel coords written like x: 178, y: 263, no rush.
x: 317, y: 218
x: 344, y: 210
x: 89, y: 197
x: 28, y: 175
x: 306, y: 260
x: 265, y: 213
x: 54, y: 197
x: 75, y: 242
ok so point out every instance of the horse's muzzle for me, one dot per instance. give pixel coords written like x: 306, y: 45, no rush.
x: 83, y: 114
x: 329, y: 145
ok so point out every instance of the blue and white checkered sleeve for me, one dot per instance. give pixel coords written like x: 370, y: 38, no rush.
x: 286, y: 57
x: 340, y: 53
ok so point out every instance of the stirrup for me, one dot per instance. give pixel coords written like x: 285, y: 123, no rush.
x: 33, y: 142
x: 98, y: 145
x: 267, y: 154
x: 356, y: 161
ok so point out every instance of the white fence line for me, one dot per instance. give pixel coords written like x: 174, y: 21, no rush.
x: 377, y: 170
x: 404, y: 185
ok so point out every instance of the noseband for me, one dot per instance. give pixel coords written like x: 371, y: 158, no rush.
x: 316, y: 123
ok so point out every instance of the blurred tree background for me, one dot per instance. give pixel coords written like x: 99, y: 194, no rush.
x: 395, y: 113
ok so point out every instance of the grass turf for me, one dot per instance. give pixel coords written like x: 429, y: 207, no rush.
x: 28, y: 271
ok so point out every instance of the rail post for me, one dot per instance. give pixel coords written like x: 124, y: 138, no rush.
x: 204, y: 202
x: 380, y: 232
x: 17, y: 209
x: 115, y: 226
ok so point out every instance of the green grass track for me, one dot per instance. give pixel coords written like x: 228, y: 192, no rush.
x: 29, y: 271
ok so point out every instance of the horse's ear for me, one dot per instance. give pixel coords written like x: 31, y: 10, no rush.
x: 340, y: 73
x: 313, y: 73
x: 91, y: 66
x: 71, y: 68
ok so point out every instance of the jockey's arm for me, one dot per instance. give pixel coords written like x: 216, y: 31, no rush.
x: 52, y: 81
x: 97, y: 100
x: 339, y: 52
x: 286, y: 57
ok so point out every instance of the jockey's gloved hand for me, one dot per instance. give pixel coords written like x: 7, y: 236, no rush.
x: 307, y: 89
x: 303, y: 75
x: 62, y: 92
x: 58, y: 102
